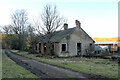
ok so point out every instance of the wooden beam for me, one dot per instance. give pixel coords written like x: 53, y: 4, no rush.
x: 38, y: 47
x: 42, y: 47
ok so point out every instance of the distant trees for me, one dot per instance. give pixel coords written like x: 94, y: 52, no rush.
x: 7, y: 29
x: 22, y: 35
x: 15, y: 35
x: 20, y: 24
x: 6, y: 37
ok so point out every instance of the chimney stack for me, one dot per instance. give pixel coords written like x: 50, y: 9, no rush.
x: 65, y: 26
x: 78, y: 24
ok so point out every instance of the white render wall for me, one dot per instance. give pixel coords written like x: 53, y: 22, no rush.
x: 78, y: 36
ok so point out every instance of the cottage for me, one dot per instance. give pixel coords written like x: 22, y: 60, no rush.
x: 68, y: 42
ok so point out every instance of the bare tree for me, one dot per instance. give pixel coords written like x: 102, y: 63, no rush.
x: 20, y: 23
x: 7, y: 29
x: 37, y: 27
x: 6, y: 37
x: 51, y: 21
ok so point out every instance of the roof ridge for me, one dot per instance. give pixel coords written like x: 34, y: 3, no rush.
x: 66, y: 29
x: 57, y: 35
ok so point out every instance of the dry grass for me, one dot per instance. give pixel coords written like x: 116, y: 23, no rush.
x: 93, y: 66
x: 108, y: 39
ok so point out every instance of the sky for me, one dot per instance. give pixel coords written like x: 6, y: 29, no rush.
x: 99, y: 18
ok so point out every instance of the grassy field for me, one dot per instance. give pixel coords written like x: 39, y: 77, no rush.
x: 11, y: 70
x: 93, y: 66
x: 108, y: 39
x: 0, y: 64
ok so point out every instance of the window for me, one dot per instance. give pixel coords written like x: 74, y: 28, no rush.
x: 40, y: 47
x: 95, y: 52
x: 44, y: 46
x: 90, y: 45
x: 52, y: 46
x: 64, y: 47
x: 78, y: 48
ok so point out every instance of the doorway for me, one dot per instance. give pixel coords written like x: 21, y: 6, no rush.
x: 78, y: 48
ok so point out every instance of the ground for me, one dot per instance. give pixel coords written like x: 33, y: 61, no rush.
x: 11, y: 70
x: 0, y: 64
x: 92, y: 66
x: 44, y: 70
x: 75, y: 67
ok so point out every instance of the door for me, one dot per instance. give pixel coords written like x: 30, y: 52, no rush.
x: 78, y: 48
x: 39, y: 47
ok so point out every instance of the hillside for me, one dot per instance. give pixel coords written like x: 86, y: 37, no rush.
x: 107, y: 39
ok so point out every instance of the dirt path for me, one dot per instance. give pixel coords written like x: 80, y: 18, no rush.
x: 44, y: 70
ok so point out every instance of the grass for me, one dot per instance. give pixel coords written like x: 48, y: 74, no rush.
x: 0, y: 64
x: 93, y: 66
x: 71, y: 76
x: 11, y: 70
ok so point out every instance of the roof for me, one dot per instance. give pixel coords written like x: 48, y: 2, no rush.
x: 104, y: 47
x: 87, y: 35
x: 58, y: 35
x: 97, y: 48
x: 106, y: 42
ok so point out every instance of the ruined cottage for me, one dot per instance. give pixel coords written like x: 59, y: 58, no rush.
x: 68, y: 42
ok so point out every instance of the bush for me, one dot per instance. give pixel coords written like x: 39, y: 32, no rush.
x: 115, y: 58
x: 103, y: 55
x: 54, y: 54
x: 32, y: 52
x: 39, y: 55
x: 80, y: 55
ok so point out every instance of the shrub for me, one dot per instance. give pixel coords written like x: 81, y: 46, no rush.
x: 39, y: 55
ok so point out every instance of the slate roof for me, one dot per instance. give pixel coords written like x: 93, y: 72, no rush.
x: 97, y: 48
x: 59, y: 35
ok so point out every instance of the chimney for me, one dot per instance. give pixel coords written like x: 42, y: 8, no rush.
x: 65, y: 26
x: 78, y: 24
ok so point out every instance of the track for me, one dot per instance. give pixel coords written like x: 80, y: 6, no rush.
x: 43, y: 70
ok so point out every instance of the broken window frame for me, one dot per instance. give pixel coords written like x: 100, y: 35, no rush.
x: 65, y: 47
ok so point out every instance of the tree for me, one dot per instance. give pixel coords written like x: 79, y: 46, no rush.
x: 51, y: 21
x: 32, y: 39
x: 20, y: 21
x: 6, y: 36
x: 20, y: 24
x: 7, y: 29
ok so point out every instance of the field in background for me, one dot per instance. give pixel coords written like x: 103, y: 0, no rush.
x: 107, y: 39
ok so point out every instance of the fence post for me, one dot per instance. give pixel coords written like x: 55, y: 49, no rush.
x: 113, y: 49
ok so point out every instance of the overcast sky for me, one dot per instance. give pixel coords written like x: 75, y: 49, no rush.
x: 99, y: 18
